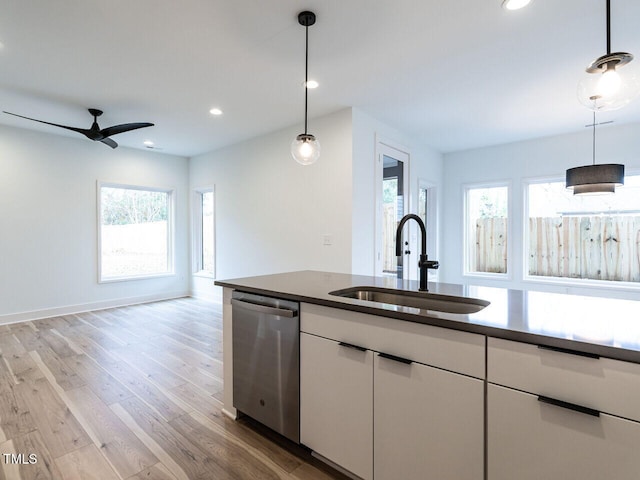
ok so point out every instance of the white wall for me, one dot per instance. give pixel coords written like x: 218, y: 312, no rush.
x: 425, y: 164
x: 271, y: 213
x: 48, y: 225
x: 515, y: 162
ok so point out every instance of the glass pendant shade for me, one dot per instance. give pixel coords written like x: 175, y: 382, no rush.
x: 594, y: 179
x: 608, y: 88
x: 515, y: 4
x: 305, y: 149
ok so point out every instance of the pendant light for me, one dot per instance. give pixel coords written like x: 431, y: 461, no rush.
x: 305, y: 148
x: 606, y: 86
x: 595, y: 179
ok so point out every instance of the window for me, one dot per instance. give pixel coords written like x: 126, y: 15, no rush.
x: 486, y: 226
x: 135, y: 232
x: 583, y: 238
x: 204, y: 232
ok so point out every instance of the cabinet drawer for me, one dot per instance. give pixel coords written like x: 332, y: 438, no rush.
x: 611, y: 386
x: 452, y: 350
x: 429, y: 423
x: 531, y: 440
x: 336, y: 404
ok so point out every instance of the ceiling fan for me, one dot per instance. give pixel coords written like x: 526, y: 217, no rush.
x: 95, y: 133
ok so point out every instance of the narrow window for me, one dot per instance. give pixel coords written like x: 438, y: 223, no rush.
x: 135, y: 232
x: 486, y: 230
x: 204, y: 232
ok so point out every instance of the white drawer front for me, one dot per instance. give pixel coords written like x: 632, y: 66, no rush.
x: 531, y: 440
x: 453, y: 350
x: 611, y: 386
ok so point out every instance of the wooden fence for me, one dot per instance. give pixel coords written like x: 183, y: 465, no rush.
x: 490, y: 246
x: 593, y: 247
x: 390, y: 223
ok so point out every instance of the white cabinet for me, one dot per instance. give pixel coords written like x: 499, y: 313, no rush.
x: 557, y: 414
x: 336, y: 404
x: 379, y: 418
x: 429, y: 423
x: 532, y: 440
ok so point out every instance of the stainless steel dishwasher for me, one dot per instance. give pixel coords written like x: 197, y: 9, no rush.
x: 266, y: 361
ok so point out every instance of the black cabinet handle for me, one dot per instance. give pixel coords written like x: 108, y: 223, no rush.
x: 569, y: 406
x: 355, y: 347
x: 570, y: 352
x: 395, y: 359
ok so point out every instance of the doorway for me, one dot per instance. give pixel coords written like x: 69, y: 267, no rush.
x: 392, y: 191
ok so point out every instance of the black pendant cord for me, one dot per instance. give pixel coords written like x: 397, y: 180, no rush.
x: 306, y: 74
x: 594, y: 137
x: 608, y: 27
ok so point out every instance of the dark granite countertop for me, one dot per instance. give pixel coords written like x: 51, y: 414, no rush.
x: 603, y: 326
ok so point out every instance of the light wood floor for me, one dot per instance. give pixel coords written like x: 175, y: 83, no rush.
x: 130, y: 393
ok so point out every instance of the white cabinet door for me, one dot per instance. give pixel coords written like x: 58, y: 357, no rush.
x: 533, y: 440
x: 336, y: 403
x: 429, y: 423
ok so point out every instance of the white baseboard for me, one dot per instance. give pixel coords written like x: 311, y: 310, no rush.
x: 232, y: 413
x: 86, y: 307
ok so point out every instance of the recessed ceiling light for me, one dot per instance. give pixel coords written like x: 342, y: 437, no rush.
x: 148, y: 143
x: 215, y: 111
x: 515, y: 4
x: 310, y: 84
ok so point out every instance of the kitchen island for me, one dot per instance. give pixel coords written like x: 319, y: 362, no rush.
x: 390, y: 391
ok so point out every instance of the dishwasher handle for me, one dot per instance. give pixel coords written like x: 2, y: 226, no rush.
x: 281, y: 312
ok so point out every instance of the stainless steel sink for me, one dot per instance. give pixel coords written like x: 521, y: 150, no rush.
x: 421, y: 300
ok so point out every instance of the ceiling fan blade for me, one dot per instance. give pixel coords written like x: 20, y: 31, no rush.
x: 108, y: 141
x: 83, y: 131
x: 126, y: 127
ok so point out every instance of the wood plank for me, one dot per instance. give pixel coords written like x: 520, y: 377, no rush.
x: 49, y: 323
x: 23, y: 367
x: 101, y: 383
x: 157, y: 472
x: 59, y: 428
x: 227, y: 455
x: 124, y: 451
x: 147, y: 391
x: 9, y: 344
x: 202, y: 379
x: 211, y: 410
x: 188, y: 456
x: 155, y: 372
x: 59, y: 345
x: 35, y: 462
x: 27, y: 335
x: 15, y: 417
x: 86, y: 463
x: 64, y: 376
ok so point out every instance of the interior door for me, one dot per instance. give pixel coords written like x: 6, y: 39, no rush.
x: 393, y: 203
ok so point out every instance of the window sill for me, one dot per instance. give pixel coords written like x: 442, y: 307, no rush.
x: 136, y: 277
x: 203, y: 274
x: 488, y: 276
x: 585, y: 283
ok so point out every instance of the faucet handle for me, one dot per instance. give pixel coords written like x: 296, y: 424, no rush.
x: 432, y: 264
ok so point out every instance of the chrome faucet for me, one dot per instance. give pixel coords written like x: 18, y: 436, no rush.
x: 424, y: 264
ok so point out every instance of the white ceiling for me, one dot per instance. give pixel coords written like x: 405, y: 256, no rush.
x: 458, y: 74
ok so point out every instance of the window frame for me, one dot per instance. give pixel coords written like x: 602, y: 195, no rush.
x: 171, y: 209
x: 466, y: 273
x: 566, y: 282
x: 196, y: 231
